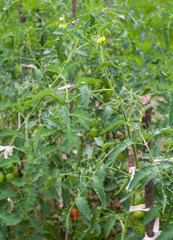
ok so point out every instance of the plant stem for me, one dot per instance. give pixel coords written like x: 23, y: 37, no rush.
x: 125, y: 227
x: 69, y: 58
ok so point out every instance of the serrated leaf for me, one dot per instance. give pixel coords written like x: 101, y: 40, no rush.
x: 68, y: 138
x: 10, y: 160
x: 95, y: 218
x: 101, y: 173
x: 104, y: 65
x: 19, y: 182
x: 166, y: 234
x: 36, y: 137
x: 167, y: 39
x: 65, y: 115
x: 9, y: 133
x: 85, y: 123
x: 147, y: 179
x: 9, y: 219
x: 83, y: 206
x: 100, y: 32
x: 141, y: 174
x: 6, y: 193
x: 53, y: 68
x: 48, y: 182
x: 166, y: 130
x: 47, y: 150
x: 65, y: 218
x: 99, y: 141
x: 91, y: 80
x: 108, y: 226
x: 29, y: 200
x: 5, y: 105
x: 69, y: 65
x: 55, y: 123
x: 41, y: 94
x: 85, y: 95
x: 117, y: 150
x: 47, y: 132
x: 80, y: 113
x: 99, y: 189
x: 150, y: 215
x: 119, y: 122
x: 60, y: 50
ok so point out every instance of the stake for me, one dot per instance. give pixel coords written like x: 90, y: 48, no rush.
x: 146, y: 120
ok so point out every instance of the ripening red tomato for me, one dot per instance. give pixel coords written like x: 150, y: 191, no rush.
x: 74, y: 213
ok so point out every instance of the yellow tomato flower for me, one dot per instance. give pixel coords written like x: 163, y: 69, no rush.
x: 101, y: 39
x: 62, y: 26
x: 61, y: 18
x: 140, y: 119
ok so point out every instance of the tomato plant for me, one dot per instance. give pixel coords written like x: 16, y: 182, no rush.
x: 74, y: 81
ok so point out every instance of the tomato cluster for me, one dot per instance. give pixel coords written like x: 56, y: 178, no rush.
x: 138, y: 221
x: 8, y: 173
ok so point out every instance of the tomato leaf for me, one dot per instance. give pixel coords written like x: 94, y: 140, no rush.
x: 108, y: 226
x: 99, y: 189
x: 117, y: 150
x: 83, y: 206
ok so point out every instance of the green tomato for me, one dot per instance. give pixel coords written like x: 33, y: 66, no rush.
x: 107, y: 96
x: 138, y: 223
x: 141, y: 228
x: 54, y: 77
x: 9, y: 177
x: 9, y: 168
x: 139, y: 214
x: 94, y: 132
x: 1, y: 177
x: 98, y: 85
x: 93, y: 123
x: 15, y: 173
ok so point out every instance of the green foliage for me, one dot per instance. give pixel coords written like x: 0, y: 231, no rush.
x: 61, y: 78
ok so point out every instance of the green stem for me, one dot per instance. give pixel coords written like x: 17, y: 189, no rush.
x: 69, y: 58
x: 168, y: 219
x: 124, y: 230
x: 21, y: 126
x: 123, y: 112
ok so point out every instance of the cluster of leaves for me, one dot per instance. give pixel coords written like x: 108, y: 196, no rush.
x: 59, y: 84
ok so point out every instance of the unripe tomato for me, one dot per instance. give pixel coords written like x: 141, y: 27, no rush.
x: 74, y: 213
x: 93, y: 123
x: 98, y: 85
x: 9, y: 177
x: 107, y: 96
x: 139, y: 214
x: 94, y: 132
x: 15, y: 173
x: 1, y: 177
x: 141, y: 228
x: 9, y: 168
x: 54, y: 77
